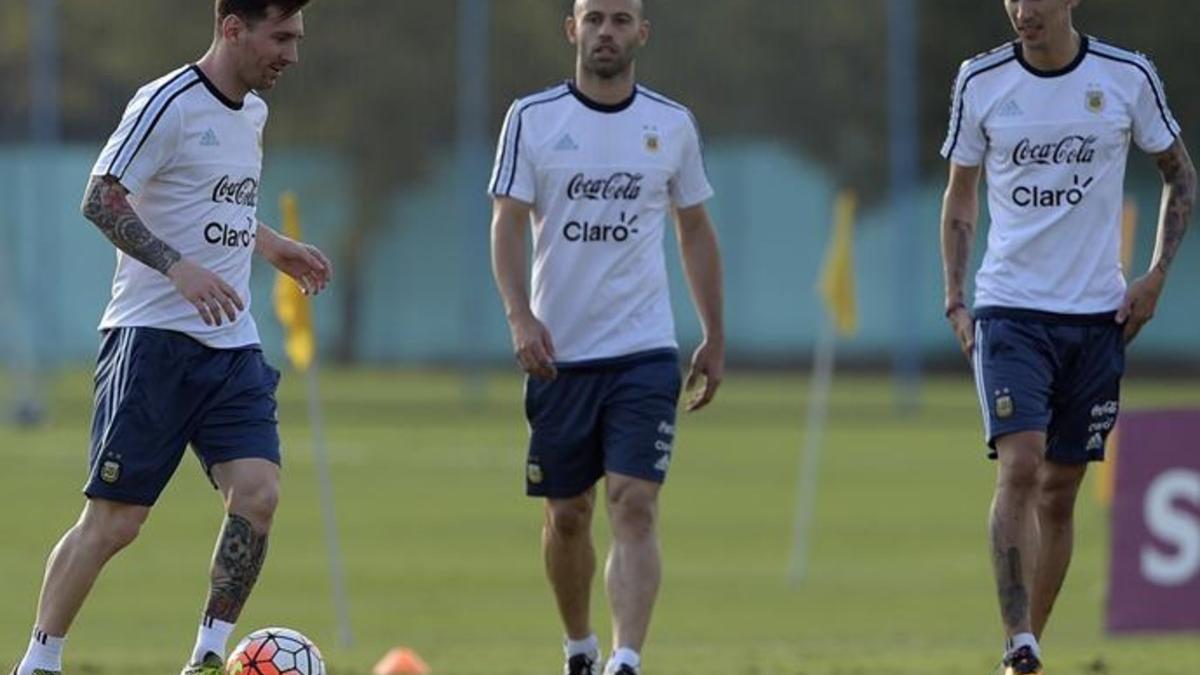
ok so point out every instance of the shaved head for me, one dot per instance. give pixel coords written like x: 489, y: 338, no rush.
x: 637, y: 7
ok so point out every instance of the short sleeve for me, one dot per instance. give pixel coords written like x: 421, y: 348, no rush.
x: 144, y: 142
x: 1154, y: 128
x: 513, y: 174
x: 965, y: 141
x: 689, y: 185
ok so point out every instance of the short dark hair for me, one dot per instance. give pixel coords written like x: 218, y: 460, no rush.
x: 253, y: 11
x: 570, y: 7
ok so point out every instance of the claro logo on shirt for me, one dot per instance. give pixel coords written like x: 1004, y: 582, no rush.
x: 1033, y: 196
x: 229, y: 190
x: 583, y: 231
x: 228, y: 236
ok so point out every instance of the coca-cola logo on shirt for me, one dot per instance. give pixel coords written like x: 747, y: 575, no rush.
x: 620, y: 186
x: 242, y: 192
x: 1070, y: 150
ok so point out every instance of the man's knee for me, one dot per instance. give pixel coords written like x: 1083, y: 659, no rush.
x: 572, y: 517
x: 256, y: 502
x: 111, y: 526
x: 1059, y: 488
x: 1020, y: 457
x: 633, y: 507
x: 251, y: 489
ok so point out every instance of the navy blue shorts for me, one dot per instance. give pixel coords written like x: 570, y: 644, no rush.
x: 610, y: 416
x: 156, y: 391
x: 1060, y: 374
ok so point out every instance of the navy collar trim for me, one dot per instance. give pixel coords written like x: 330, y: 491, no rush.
x: 598, y: 106
x: 212, y: 89
x: 1083, y: 51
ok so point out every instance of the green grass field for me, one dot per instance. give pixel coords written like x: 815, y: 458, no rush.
x: 442, y: 547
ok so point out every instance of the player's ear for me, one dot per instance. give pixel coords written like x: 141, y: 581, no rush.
x: 644, y: 33
x: 569, y: 27
x: 231, y: 28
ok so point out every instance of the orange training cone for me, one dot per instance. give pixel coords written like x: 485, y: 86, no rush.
x: 402, y: 661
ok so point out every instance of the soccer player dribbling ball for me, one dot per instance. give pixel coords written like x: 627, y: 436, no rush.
x: 176, y: 189
x: 1051, y: 116
x: 597, y: 164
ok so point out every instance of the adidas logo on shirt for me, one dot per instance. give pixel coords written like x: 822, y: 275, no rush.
x: 1010, y: 109
x: 209, y: 139
x: 566, y: 143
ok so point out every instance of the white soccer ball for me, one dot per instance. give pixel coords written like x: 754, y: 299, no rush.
x: 275, y: 651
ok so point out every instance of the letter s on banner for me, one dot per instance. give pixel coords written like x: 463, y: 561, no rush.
x: 1174, y: 526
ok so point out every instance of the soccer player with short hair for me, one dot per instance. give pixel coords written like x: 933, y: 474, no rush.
x: 1051, y: 115
x: 176, y: 190
x: 597, y: 165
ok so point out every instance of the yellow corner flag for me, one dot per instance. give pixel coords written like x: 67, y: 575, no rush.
x: 291, y: 304
x: 837, y: 277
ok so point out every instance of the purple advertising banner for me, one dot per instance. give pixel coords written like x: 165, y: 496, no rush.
x: 1154, y: 583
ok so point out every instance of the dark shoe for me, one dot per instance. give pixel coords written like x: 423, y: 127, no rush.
x: 583, y: 664
x: 1022, y: 662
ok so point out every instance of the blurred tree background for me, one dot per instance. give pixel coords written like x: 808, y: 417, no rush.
x: 376, y: 85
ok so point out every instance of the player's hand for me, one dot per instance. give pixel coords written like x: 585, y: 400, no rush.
x: 210, y: 295
x: 1141, y: 298
x: 708, y: 368
x: 304, y: 263
x: 963, y: 325
x: 533, y: 347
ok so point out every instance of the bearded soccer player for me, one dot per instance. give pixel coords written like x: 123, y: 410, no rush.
x: 1051, y: 116
x: 598, y: 164
x: 175, y: 190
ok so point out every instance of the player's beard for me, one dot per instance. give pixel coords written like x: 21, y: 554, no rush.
x: 617, y: 65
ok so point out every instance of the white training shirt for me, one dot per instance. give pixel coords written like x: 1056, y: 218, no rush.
x: 602, y: 180
x: 1055, y: 145
x: 191, y: 160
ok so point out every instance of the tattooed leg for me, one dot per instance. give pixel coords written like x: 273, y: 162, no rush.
x: 1059, y: 486
x: 1014, y: 526
x: 236, y: 564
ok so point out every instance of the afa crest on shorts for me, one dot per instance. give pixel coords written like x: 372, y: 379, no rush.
x: 533, y: 473
x: 1004, y: 404
x: 110, y: 471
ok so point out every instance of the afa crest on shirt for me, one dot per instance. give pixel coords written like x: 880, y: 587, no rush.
x: 1094, y: 100
x: 651, y: 139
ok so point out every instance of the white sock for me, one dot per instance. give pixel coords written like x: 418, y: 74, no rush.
x: 623, y: 657
x: 44, y: 653
x: 588, y: 645
x: 212, y: 637
x: 1024, y: 640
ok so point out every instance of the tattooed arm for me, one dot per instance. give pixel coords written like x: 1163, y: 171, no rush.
x: 1179, y: 197
x: 960, y: 210
x: 106, y: 204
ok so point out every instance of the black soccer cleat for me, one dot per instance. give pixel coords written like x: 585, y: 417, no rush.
x: 583, y: 664
x: 1022, y: 662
